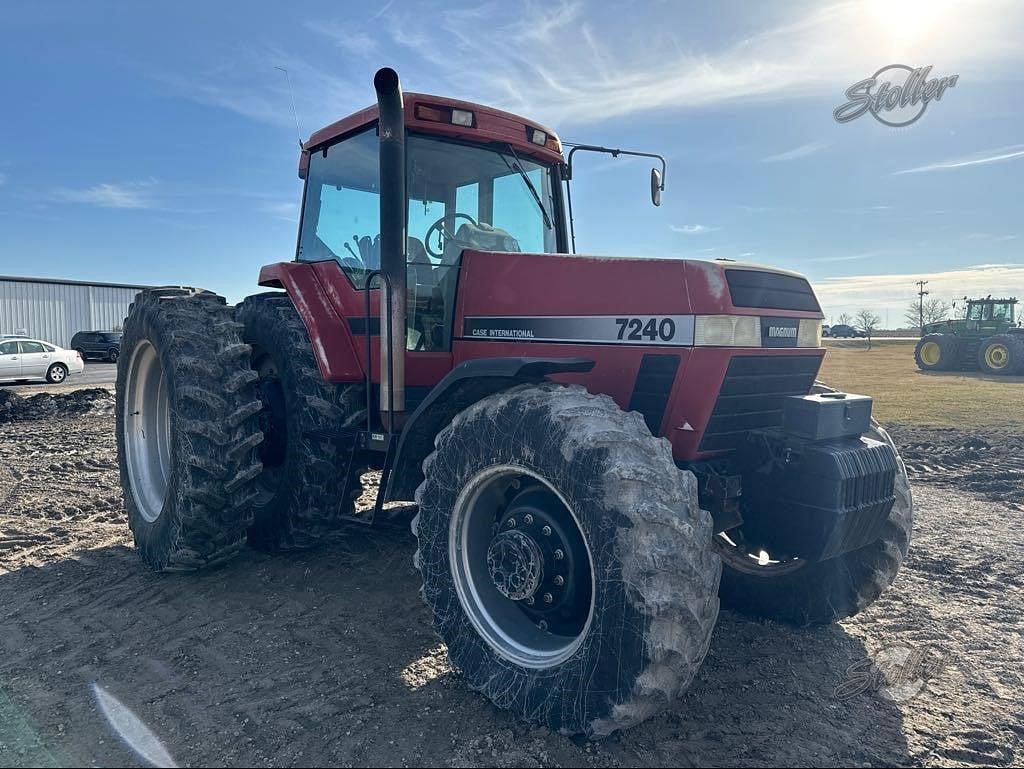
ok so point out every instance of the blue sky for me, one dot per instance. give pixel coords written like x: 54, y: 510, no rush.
x: 155, y: 144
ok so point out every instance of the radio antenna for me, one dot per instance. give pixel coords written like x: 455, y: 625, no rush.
x: 291, y: 95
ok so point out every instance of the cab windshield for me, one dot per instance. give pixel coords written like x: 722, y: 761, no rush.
x: 460, y: 196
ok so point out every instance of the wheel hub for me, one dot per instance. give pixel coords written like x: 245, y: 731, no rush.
x: 997, y: 356
x: 521, y: 567
x: 514, y: 562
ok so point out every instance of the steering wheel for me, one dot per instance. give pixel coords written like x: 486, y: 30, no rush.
x: 439, y: 226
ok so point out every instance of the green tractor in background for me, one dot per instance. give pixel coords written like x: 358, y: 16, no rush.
x: 987, y: 337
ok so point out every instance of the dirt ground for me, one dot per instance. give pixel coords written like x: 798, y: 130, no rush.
x: 328, y: 657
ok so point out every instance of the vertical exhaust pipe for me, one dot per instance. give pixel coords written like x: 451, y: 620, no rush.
x: 391, y: 128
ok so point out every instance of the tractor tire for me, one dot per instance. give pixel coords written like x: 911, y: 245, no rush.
x: 186, y: 429
x: 1002, y: 355
x: 590, y: 486
x: 823, y: 592
x: 303, y: 485
x: 937, y: 352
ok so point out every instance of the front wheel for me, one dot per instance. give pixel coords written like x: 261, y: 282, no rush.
x: 565, y: 559
x: 1001, y: 354
x: 802, y: 592
x: 57, y: 374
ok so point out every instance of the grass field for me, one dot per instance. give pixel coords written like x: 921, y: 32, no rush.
x: 902, y: 393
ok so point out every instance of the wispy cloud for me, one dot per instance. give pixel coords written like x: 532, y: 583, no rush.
x: 879, y: 292
x: 284, y: 209
x: 347, y: 36
x: 520, y: 64
x: 846, y: 257
x: 136, y: 195
x: 990, y: 237
x: 1001, y: 155
x: 691, y: 229
x: 797, y: 152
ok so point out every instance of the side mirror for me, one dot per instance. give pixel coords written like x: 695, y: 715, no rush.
x: 657, y: 185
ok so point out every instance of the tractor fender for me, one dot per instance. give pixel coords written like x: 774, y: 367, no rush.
x: 463, y: 386
x: 335, y: 350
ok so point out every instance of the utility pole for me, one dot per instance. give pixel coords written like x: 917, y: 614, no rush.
x: 921, y: 294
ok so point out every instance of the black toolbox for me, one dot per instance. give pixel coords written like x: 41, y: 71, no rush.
x: 826, y: 416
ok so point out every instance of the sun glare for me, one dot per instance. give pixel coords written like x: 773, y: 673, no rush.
x: 909, y: 24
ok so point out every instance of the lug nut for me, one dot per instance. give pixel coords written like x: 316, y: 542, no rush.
x: 559, y: 555
x: 529, y: 600
x: 559, y: 580
x: 548, y: 598
x: 546, y: 531
x: 511, y: 523
x: 543, y: 625
x: 527, y: 519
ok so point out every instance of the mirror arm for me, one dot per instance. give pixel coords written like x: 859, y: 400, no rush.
x: 614, y: 152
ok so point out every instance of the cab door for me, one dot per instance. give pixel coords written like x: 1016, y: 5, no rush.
x: 10, y: 360
x: 35, y: 360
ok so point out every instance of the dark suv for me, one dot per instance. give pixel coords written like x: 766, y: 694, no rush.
x: 105, y: 345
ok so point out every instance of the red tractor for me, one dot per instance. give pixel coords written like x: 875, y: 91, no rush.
x: 600, y: 449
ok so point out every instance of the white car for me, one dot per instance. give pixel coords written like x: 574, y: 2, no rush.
x: 22, y: 358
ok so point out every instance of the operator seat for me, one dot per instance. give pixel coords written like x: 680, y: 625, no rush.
x: 482, y: 237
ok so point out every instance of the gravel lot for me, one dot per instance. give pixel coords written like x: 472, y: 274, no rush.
x: 328, y: 657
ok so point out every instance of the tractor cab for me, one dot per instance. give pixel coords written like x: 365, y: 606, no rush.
x: 487, y: 194
x: 989, y: 311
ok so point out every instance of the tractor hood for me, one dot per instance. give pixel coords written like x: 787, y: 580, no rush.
x: 564, y: 284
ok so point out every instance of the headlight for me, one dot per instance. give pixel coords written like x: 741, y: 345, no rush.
x: 727, y: 331
x: 809, y: 334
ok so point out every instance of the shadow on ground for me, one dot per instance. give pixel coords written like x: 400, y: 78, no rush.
x: 329, y: 657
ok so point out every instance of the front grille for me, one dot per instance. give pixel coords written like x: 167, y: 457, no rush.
x: 770, y: 290
x: 751, y: 396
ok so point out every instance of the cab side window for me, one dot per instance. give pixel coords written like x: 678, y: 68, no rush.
x: 28, y: 348
x: 9, y: 348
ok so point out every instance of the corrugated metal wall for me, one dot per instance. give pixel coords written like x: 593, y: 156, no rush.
x: 56, y: 311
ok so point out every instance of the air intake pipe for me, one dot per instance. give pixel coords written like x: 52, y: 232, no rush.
x: 391, y: 128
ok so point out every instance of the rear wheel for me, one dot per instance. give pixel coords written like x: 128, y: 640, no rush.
x: 57, y: 373
x: 1001, y: 354
x: 936, y: 352
x: 802, y: 592
x: 303, y: 489
x: 565, y: 559
x: 186, y: 429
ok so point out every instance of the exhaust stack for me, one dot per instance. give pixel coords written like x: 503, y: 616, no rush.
x: 391, y: 127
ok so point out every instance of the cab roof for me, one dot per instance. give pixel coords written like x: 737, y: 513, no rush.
x: 426, y: 113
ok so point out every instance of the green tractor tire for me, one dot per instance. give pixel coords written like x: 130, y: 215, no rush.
x: 936, y: 352
x: 1002, y: 354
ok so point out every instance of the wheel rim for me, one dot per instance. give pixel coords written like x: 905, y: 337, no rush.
x: 930, y: 353
x: 57, y: 375
x: 753, y: 560
x: 997, y: 356
x: 522, y: 567
x: 147, y: 431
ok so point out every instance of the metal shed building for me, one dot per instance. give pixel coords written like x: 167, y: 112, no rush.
x: 54, y: 310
